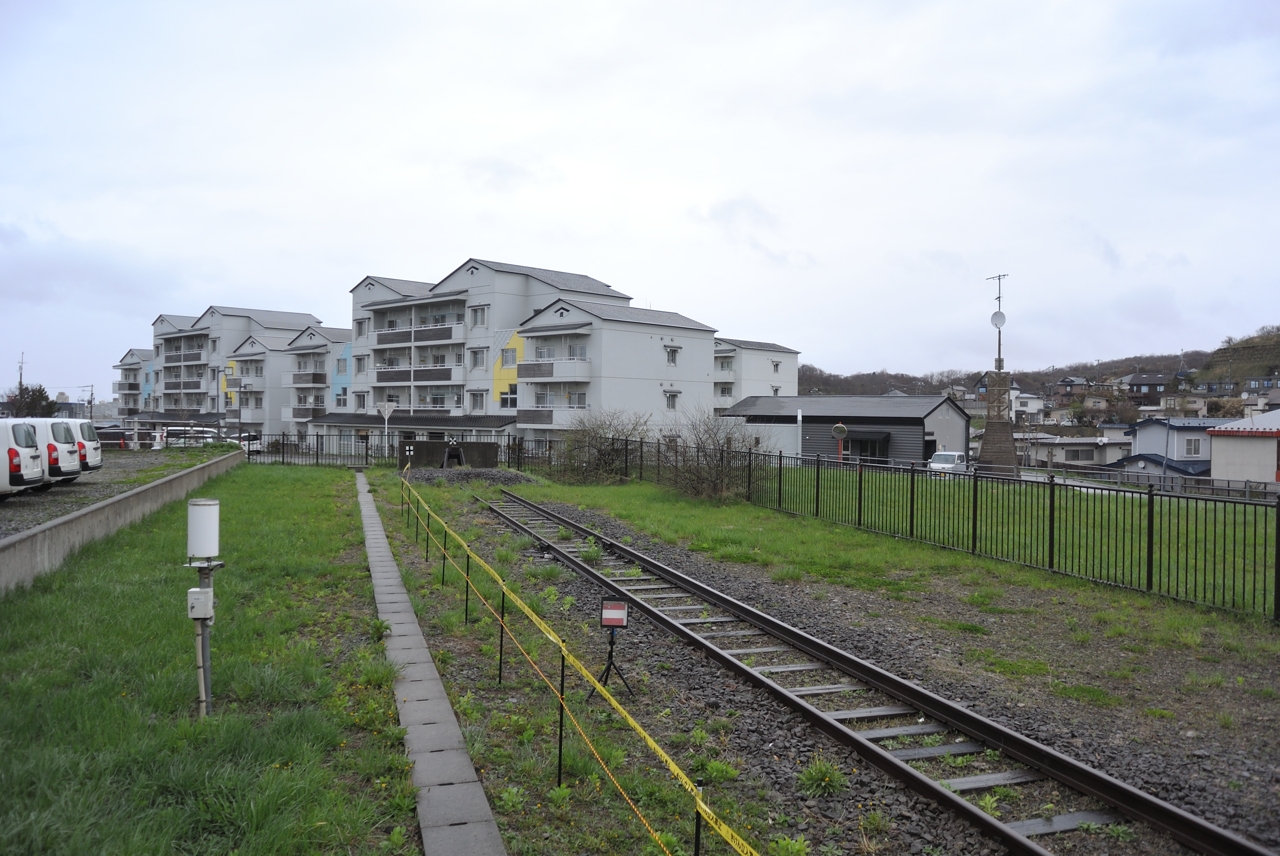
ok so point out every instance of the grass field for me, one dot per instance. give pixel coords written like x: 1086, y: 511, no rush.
x: 100, y: 748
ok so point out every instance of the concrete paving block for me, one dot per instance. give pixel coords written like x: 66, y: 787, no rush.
x: 425, y: 711
x: 469, y: 839
x: 446, y: 767
x: 422, y: 671
x: 422, y: 690
x: 426, y: 739
x: 448, y: 805
x: 406, y: 656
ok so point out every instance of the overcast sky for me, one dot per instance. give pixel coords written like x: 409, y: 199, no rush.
x: 838, y: 177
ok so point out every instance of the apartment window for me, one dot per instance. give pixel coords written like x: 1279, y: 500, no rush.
x: 578, y: 352
x: 362, y: 365
x: 257, y: 402
x: 726, y: 391
x: 362, y: 326
x: 257, y: 370
x: 776, y: 366
x: 302, y: 366
x: 479, y: 316
x: 1193, y: 447
x: 437, y: 399
x: 672, y: 355
x: 437, y: 359
x: 507, y: 400
x: 477, y: 401
x: 672, y: 398
x: 457, y: 358
x: 1253, y: 384
x: 213, y: 374
x: 541, y: 399
x: 1160, y: 387
x: 391, y: 323
x: 438, y: 320
x: 1079, y: 454
x: 228, y: 401
x: 341, y: 367
x: 479, y: 357
x: 361, y: 398
x: 340, y: 397
x: 545, y: 352
x: 302, y: 400
x: 508, y: 357
x: 393, y: 398
x: 213, y: 402
x: 578, y: 400
x: 726, y: 364
x: 213, y: 346
x: 776, y: 390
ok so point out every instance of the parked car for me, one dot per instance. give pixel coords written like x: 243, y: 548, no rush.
x: 88, y: 445
x: 22, y: 454
x: 59, y: 455
x: 181, y: 436
x: 251, y: 443
x: 949, y: 462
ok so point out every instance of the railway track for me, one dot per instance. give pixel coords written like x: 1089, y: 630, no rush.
x: 937, y: 748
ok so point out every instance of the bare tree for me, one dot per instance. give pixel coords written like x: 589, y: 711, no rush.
x: 596, y: 444
x: 705, y: 455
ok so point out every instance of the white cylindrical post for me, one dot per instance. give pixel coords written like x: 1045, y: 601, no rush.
x: 202, y: 528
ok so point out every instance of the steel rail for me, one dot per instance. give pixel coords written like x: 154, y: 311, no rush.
x: 1186, y: 828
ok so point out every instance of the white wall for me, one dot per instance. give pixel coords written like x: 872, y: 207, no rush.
x: 1245, y: 458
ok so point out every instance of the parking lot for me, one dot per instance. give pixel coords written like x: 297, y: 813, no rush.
x: 122, y: 471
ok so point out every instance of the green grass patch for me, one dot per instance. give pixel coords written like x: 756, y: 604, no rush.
x: 956, y: 626
x: 1012, y: 668
x: 100, y: 747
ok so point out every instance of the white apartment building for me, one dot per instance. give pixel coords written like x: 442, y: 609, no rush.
x: 492, y: 350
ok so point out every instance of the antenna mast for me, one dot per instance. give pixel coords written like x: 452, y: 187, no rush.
x: 997, y: 320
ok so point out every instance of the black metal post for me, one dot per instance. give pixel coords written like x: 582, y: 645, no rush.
x: 444, y: 551
x: 502, y: 631
x: 416, y: 518
x: 817, y: 484
x: 1275, y: 585
x: 560, y: 740
x: 1052, y: 533
x: 626, y: 457
x: 779, y: 479
x: 697, y: 823
x: 750, y: 455
x: 1151, y: 536
x: 859, y: 493
x: 973, y: 538
x: 911, y: 503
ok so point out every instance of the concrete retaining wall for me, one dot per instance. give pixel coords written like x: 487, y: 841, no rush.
x: 36, y: 552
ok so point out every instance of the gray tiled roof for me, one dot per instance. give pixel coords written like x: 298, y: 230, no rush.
x: 407, y: 287
x: 758, y: 346
x: 182, y: 322
x: 268, y: 342
x: 271, y: 317
x: 614, y: 312
x: 558, y: 279
x: 142, y: 354
x: 840, y: 406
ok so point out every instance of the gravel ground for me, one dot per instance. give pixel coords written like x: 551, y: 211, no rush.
x: 465, y: 475
x: 1229, y: 775
x: 119, y: 472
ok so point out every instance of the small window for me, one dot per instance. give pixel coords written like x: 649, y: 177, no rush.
x: 479, y: 357
x: 776, y: 390
x: 672, y: 397
x: 726, y: 364
x: 438, y: 359
x: 507, y: 400
x: 672, y: 356
x: 362, y: 326
x: 726, y: 391
x: 213, y: 346
x: 362, y: 365
x: 361, y: 398
x: 393, y: 398
x: 341, y: 367
x: 340, y: 397
x: 577, y: 352
x: 391, y: 323
x: 776, y: 366
x: 545, y: 352
x: 1193, y: 447
x: 302, y: 366
x: 508, y: 357
x: 479, y: 316
x: 477, y: 402
x: 457, y: 358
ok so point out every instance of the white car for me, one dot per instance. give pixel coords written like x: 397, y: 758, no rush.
x: 251, y: 443
x: 60, y: 457
x: 88, y: 444
x: 949, y: 462
x: 22, y: 455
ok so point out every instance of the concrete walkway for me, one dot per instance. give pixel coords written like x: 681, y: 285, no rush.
x: 453, y: 811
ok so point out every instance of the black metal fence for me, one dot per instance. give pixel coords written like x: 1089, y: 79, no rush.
x: 1217, y: 551
x: 371, y: 450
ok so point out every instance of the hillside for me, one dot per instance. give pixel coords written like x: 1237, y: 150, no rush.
x: 1253, y: 356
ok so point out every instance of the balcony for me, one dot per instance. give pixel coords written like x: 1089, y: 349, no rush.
x: 437, y: 374
x: 566, y: 370
x: 555, y: 416
x: 245, y: 416
x: 300, y: 412
x: 126, y: 386
x: 725, y: 375
x: 305, y: 379
x: 184, y: 385
x: 424, y: 333
x: 393, y: 374
x: 185, y: 357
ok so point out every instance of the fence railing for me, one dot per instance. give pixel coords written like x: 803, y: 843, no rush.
x: 1223, y: 552
x: 372, y: 450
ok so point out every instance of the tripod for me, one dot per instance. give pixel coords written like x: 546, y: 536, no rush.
x: 611, y: 666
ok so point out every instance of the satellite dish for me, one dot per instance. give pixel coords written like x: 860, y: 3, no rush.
x: 997, y: 319
x: 839, y: 431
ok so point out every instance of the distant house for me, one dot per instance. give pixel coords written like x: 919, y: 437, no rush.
x: 1248, y: 449
x: 1069, y: 388
x: 1028, y: 409
x: 744, y: 368
x: 1043, y: 450
x: 883, y: 427
x: 1148, y: 388
x: 1180, y: 446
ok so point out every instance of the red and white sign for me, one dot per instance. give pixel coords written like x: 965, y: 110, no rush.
x: 613, y: 613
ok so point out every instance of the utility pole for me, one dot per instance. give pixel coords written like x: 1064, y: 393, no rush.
x: 999, y: 278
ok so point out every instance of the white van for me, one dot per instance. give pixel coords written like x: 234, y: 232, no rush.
x: 58, y: 452
x: 949, y: 462
x: 182, y: 436
x: 22, y: 455
x: 88, y: 444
